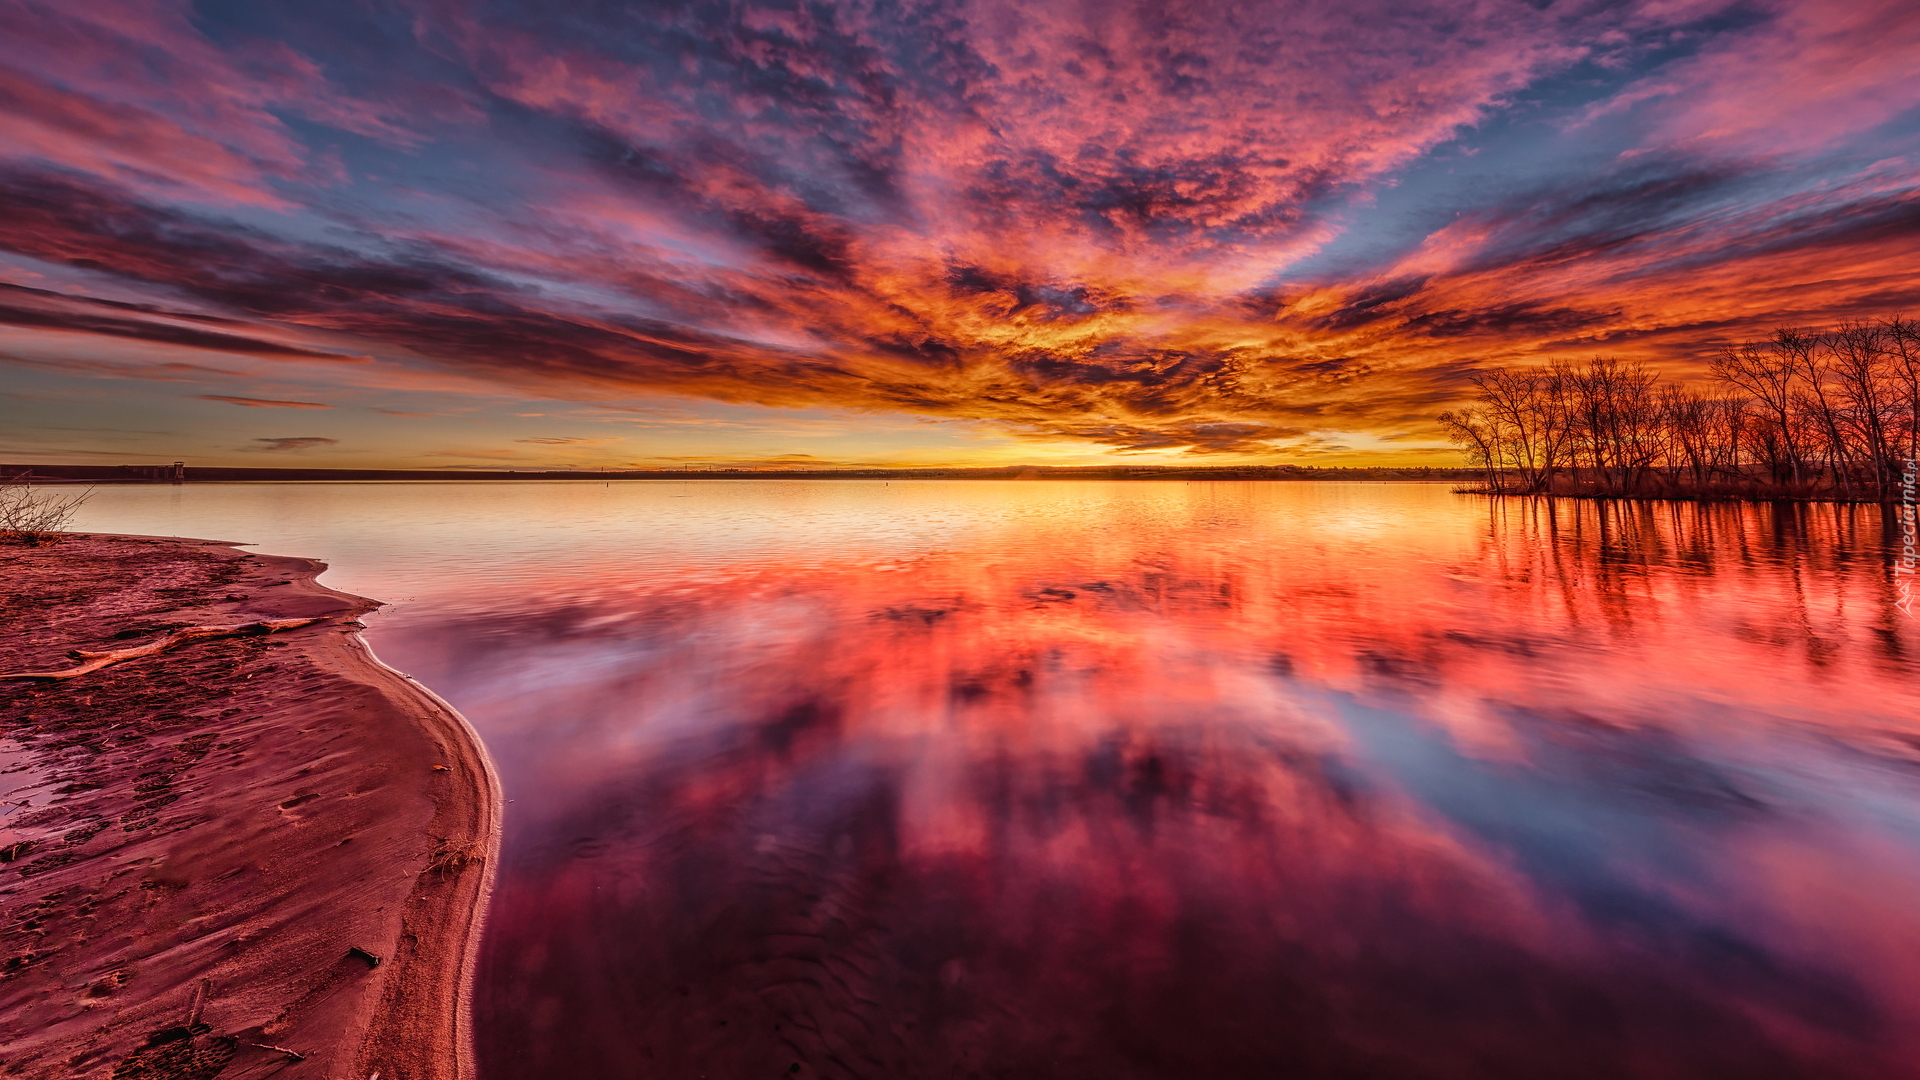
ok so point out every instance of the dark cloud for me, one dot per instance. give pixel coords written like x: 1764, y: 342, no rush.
x: 108, y: 369
x: 1507, y: 320
x: 262, y: 403
x: 293, y: 442
x: 41, y: 310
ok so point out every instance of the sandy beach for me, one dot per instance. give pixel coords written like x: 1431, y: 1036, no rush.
x: 256, y: 855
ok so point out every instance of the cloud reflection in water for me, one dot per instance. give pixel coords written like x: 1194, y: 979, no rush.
x: 1249, y: 781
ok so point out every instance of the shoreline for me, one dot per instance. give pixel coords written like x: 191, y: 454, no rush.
x: 267, y: 854
x: 1745, y: 500
x: 466, y: 904
x: 51, y: 473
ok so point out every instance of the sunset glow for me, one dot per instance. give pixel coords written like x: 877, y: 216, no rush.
x: 427, y: 234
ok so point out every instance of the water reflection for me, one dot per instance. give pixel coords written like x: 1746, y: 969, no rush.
x: 1255, y: 780
x: 1157, y: 780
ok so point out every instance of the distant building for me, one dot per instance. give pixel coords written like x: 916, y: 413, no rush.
x: 175, y: 472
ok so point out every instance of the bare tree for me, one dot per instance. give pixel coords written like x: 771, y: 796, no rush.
x: 1868, y: 391
x: 1479, y: 437
x: 1526, y: 407
x: 1804, y: 413
x: 1903, y: 351
x: 31, y: 515
x: 1768, y: 372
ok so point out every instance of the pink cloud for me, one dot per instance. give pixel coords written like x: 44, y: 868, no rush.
x: 1811, y: 73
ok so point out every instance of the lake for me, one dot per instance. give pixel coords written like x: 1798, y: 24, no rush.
x: 1081, y: 779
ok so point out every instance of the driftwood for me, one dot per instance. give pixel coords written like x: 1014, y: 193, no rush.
x: 291, y: 1055
x: 97, y: 660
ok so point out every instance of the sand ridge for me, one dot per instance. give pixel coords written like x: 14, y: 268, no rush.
x: 251, y: 856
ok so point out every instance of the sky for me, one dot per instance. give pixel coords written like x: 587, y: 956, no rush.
x: 570, y: 233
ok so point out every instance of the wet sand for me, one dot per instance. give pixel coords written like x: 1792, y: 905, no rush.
x: 251, y: 856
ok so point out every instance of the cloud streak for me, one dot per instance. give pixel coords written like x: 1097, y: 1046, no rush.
x: 292, y: 443
x: 1149, y: 228
x: 262, y: 403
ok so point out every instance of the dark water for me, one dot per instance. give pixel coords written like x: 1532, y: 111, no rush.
x: 1159, y: 780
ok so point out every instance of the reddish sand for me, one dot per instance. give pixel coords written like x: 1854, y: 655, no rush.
x: 235, y: 852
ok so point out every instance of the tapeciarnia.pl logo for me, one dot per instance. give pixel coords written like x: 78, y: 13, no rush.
x: 1904, y: 566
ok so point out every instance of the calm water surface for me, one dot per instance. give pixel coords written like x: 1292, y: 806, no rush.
x: 1077, y: 780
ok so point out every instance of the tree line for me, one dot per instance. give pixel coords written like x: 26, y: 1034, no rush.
x: 1806, y: 414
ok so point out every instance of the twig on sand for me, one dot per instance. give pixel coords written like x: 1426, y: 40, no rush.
x: 292, y: 1055
x: 97, y: 660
